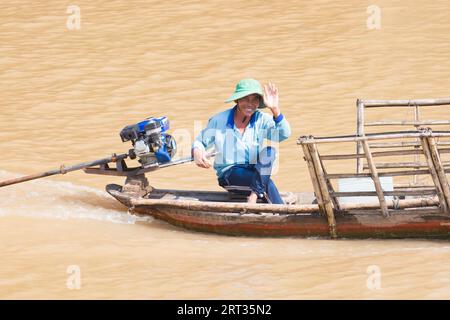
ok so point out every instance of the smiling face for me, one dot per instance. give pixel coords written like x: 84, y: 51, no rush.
x: 248, y: 104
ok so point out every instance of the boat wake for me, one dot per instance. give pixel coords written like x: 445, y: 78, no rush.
x: 61, y: 200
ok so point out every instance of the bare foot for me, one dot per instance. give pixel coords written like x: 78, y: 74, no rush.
x: 252, y: 198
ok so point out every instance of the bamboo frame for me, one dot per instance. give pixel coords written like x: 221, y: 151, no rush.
x: 439, y: 166
x: 410, y: 185
x: 369, y: 137
x: 393, y: 165
x: 415, y: 192
x: 425, y: 143
x: 412, y: 190
x: 433, y: 167
x: 403, y: 144
x: 400, y: 204
x: 404, y: 103
x: 359, y: 132
x: 377, y: 154
x: 434, y: 177
x: 382, y: 174
x: 416, y: 156
x: 376, y: 180
x: 406, y: 123
x: 326, y: 198
x: 416, y: 104
x: 314, y: 180
x: 335, y: 200
x: 362, y: 140
x: 240, y: 208
x: 275, y: 208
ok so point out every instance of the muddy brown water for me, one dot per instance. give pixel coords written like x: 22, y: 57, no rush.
x: 66, y: 94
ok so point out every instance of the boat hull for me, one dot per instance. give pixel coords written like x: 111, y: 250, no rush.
x: 362, y: 225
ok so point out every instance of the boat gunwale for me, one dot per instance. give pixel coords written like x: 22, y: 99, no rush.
x: 135, y: 200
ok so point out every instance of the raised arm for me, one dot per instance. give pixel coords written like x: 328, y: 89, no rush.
x: 276, y: 128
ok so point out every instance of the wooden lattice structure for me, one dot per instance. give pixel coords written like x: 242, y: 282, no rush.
x: 416, y: 118
x: 420, y: 199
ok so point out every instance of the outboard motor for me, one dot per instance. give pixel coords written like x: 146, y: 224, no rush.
x: 151, y: 143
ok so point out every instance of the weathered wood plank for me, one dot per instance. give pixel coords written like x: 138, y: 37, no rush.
x: 392, y: 165
x: 406, y: 123
x: 325, y: 192
x: 402, y: 144
x: 273, y: 208
x: 376, y: 180
x: 381, y: 174
x: 329, y: 186
x: 439, y: 165
x: 405, y: 103
x: 359, y: 132
x: 368, y: 137
x: 242, y: 207
x: 314, y: 180
x: 377, y: 154
x: 419, y: 192
x: 434, y: 176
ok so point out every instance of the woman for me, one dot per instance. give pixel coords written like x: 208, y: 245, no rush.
x: 237, y: 136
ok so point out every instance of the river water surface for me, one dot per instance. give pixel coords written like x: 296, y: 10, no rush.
x: 66, y: 94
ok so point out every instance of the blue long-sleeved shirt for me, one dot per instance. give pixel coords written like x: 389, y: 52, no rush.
x: 234, y: 148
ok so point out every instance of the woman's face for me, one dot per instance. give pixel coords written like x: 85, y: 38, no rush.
x: 248, y: 105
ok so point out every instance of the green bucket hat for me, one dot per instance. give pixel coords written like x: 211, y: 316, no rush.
x: 247, y: 87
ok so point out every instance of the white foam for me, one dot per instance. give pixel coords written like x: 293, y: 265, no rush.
x: 61, y: 200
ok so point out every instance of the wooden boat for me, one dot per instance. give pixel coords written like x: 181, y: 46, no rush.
x: 417, y: 209
x: 411, y: 211
x: 214, y: 212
